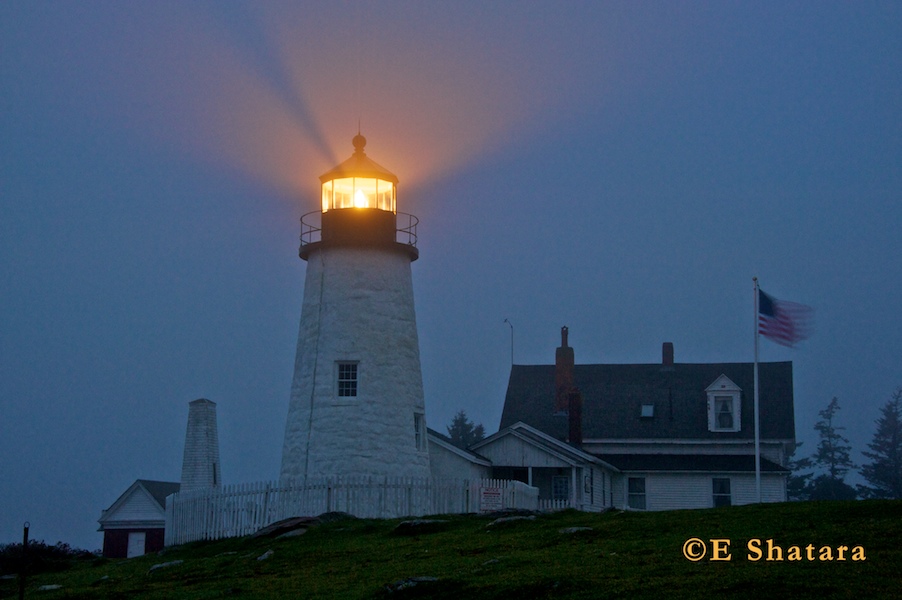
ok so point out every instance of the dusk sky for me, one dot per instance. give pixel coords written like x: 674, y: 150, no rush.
x: 622, y: 168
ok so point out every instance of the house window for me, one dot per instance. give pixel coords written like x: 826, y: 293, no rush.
x: 560, y: 488
x: 647, y: 411
x: 419, y: 428
x: 723, y: 411
x: 636, y: 493
x: 347, y: 379
x: 724, y: 405
x: 721, y: 488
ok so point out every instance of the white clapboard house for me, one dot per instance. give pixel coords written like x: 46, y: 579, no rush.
x: 638, y: 436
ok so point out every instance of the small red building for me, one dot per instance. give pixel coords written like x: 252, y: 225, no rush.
x: 134, y: 524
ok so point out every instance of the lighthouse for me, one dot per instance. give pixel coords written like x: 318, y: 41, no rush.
x: 357, y: 405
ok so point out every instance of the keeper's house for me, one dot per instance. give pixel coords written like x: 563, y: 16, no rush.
x: 643, y: 437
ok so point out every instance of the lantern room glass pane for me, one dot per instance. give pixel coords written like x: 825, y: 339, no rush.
x: 327, y: 196
x: 364, y: 192
x: 385, y: 195
x: 343, y: 193
x: 359, y: 192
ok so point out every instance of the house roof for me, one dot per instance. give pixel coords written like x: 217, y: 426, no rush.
x: 539, y: 439
x: 446, y: 443
x: 744, y: 463
x: 613, y: 395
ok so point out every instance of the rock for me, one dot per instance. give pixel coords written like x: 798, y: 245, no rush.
x: 420, y: 526
x: 49, y: 588
x: 330, y: 517
x: 292, y: 533
x: 512, y: 512
x: 408, y: 583
x: 265, y: 555
x: 284, y: 526
x: 164, y: 565
x: 504, y: 520
x: 574, y: 529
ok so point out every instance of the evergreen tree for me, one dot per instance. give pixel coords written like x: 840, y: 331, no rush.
x: 884, y: 472
x: 825, y: 487
x: 798, y: 484
x: 463, y: 432
x: 832, y: 455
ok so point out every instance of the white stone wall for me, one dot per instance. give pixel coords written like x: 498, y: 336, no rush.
x: 358, y: 306
x: 200, y: 464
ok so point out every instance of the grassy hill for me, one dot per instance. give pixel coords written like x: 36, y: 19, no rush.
x: 628, y: 555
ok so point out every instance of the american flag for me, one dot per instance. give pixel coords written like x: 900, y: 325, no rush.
x: 783, y: 322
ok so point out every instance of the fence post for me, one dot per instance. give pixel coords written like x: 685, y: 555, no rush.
x: 23, y: 571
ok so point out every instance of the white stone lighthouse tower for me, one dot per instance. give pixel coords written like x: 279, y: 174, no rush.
x: 357, y: 405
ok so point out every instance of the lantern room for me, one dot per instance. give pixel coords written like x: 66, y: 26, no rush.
x: 359, y: 208
x: 359, y: 182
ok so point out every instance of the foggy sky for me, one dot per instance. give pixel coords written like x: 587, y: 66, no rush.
x: 624, y: 169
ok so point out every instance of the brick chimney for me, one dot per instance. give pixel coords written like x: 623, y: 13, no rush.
x: 563, y: 374
x: 575, y: 418
x: 667, y: 354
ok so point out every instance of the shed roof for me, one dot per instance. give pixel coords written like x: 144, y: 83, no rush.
x: 466, y: 453
x: 159, y: 490
x: 142, y: 504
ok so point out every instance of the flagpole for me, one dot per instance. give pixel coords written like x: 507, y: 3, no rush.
x: 757, y: 429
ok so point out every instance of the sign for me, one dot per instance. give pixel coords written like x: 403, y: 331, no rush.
x: 490, y: 499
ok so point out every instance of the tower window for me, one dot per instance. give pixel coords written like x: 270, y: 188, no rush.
x: 419, y: 428
x: 347, y: 379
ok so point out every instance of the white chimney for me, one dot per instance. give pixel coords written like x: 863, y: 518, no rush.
x: 200, y: 466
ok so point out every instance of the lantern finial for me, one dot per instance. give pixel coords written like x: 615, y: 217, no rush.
x: 359, y: 142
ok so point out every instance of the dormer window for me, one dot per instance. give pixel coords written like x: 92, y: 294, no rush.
x: 723, y: 412
x: 724, y: 405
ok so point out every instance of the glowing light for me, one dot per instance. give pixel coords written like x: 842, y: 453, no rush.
x: 358, y: 192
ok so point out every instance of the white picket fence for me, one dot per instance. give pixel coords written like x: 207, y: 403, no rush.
x: 242, y: 509
x: 553, y: 505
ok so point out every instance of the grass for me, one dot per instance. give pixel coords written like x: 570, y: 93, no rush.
x: 624, y: 555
